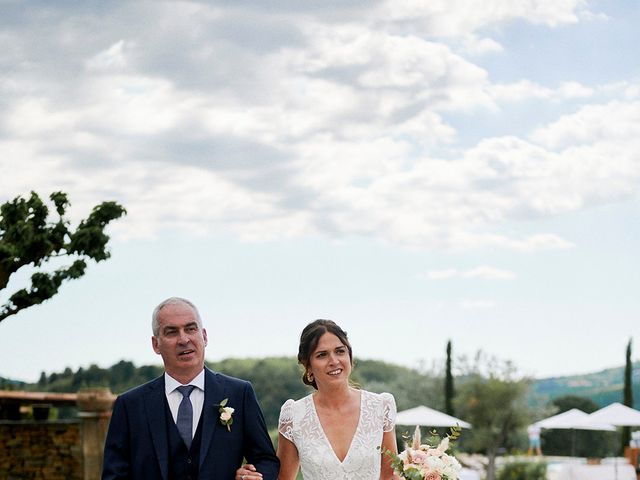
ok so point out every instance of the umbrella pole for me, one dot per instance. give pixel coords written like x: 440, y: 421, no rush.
x: 573, y: 442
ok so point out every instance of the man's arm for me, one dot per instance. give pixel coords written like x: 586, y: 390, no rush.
x: 117, y: 453
x: 257, y: 447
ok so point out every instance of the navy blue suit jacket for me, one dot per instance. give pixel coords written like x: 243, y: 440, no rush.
x: 136, y: 447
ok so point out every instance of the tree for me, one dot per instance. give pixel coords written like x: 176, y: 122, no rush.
x: 493, y: 400
x: 29, y: 238
x: 627, y: 395
x: 448, y: 384
x: 42, y: 382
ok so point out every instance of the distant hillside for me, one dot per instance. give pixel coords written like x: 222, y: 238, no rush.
x: 276, y: 379
x: 7, y: 384
x: 602, y: 387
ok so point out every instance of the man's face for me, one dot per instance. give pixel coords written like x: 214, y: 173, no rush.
x: 181, y: 342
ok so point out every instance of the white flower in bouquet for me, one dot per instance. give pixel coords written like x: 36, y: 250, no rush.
x: 425, y: 462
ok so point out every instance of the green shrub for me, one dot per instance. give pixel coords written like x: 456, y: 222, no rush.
x: 522, y: 470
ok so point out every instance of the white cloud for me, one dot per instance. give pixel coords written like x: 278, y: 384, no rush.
x: 518, y: 91
x: 615, y: 121
x: 542, y: 241
x: 481, y: 46
x: 338, y: 125
x: 483, y: 272
x: 488, y: 273
x: 574, y: 90
x: 459, y: 17
x: 527, y: 90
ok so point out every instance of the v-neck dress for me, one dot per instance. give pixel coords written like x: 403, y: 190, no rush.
x: 300, y: 424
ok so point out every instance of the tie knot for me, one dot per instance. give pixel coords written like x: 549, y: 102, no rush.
x: 186, y: 390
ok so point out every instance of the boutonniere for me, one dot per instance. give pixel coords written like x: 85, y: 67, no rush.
x: 226, y: 414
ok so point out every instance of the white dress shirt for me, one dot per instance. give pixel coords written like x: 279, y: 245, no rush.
x: 174, y: 397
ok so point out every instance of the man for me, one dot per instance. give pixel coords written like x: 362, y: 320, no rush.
x: 179, y: 426
x: 533, y: 432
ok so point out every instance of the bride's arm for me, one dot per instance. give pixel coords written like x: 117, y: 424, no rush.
x: 289, y: 460
x: 388, y: 443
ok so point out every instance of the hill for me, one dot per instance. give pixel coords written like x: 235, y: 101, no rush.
x: 603, y: 387
x: 276, y: 379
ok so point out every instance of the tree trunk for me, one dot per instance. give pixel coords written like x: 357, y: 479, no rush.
x: 491, y: 464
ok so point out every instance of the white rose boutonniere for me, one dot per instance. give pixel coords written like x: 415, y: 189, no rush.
x: 226, y: 414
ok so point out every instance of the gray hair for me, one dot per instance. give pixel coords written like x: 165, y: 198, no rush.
x: 155, y: 324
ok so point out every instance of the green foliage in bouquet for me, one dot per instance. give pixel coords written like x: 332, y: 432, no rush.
x: 522, y: 470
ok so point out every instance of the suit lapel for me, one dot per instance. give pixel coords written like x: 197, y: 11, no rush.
x: 213, y: 395
x: 155, y: 407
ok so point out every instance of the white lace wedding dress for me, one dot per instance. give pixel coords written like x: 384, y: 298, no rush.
x: 300, y: 424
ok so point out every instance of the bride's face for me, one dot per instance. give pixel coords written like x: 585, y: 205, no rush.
x: 330, y: 361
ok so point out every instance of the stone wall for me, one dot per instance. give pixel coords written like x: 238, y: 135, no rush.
x: 41, y: 450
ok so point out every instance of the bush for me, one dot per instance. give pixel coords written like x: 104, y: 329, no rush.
x: 523, y: 471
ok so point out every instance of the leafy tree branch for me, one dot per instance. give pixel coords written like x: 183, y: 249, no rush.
x: 29, y: 237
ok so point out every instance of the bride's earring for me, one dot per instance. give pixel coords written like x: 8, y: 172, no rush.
x: 309, y: 377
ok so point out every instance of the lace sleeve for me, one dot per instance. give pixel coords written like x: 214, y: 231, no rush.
x: 389, y: 412
x: 285, y: 423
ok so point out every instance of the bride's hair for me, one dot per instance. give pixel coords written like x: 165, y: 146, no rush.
x: 309, y: 341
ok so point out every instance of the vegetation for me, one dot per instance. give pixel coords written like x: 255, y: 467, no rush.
x: 602, y: 387
x: 493, y: 399
x: 29, y: 238
x: 523, y: 470
x: 627, y: 395
x: 448, y: 384
x: 274, y: 379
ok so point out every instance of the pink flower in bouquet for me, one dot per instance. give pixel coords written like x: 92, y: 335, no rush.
x: 418, y: 456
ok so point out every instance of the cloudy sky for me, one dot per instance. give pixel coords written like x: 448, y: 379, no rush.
x: 416, y: 170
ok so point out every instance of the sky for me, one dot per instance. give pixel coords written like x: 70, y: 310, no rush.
x: 419, y: 172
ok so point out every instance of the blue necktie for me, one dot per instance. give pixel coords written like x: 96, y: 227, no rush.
x: 184, y: 421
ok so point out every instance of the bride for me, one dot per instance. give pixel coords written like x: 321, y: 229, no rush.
x: 338, y: 432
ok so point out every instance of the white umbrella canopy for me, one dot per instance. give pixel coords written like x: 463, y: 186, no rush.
x: 428, y: 417
x: 574, y: 419
x: 617, y: 414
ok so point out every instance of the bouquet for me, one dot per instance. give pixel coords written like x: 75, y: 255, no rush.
x: 425, y: 462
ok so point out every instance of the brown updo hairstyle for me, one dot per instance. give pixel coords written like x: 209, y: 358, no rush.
x: 309, y: 339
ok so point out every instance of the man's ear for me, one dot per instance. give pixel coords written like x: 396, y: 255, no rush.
x: 154, y: 344
x: 204, y: 335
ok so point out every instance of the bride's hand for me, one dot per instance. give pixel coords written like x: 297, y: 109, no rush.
x: 248, y: 472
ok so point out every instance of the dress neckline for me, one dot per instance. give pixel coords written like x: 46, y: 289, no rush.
x: 324, y: 434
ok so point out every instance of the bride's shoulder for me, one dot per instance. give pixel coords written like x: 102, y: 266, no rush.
x: 384, y: 398
x: 291, y: 403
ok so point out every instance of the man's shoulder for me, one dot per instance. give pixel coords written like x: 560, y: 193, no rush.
x: 228, y: 381
x: 141, y: 390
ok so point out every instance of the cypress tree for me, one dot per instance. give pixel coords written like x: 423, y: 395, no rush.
x: 628, y: 395
x: 448, y: 384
